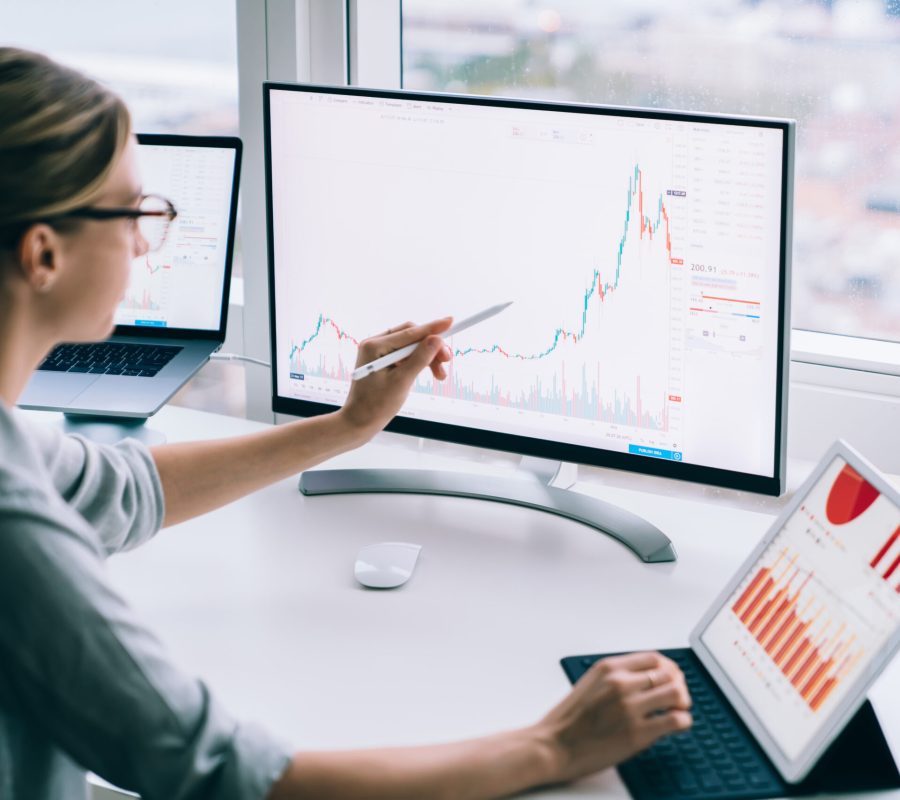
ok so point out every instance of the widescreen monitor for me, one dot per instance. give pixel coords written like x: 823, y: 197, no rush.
x: 646, y: 254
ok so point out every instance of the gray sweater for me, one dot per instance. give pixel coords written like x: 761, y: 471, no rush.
x: 83, y: 684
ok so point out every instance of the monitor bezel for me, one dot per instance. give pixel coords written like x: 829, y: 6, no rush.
x: 217, y: 142
x: 563, y: 451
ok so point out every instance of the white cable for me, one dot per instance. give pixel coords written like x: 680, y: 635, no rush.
x: 238, y: 357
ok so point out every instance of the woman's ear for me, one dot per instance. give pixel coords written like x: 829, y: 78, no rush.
x: 39, y: 254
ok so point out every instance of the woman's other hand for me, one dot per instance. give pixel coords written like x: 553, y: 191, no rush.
x: 621, y: 706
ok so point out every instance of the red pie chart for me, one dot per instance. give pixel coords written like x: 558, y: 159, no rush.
x: 850, y: 496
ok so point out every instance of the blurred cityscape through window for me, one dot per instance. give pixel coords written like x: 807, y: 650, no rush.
x: 833, y: 65
x: 174, y: 62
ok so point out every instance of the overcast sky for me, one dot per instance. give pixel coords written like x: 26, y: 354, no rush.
x: 201, y: 29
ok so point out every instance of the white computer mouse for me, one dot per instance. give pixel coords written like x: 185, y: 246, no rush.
x: 386, y: 565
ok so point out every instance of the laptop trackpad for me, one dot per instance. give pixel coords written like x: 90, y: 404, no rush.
x: 55, y: 389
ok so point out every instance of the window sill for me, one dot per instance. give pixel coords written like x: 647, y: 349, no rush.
x: 845, y: 352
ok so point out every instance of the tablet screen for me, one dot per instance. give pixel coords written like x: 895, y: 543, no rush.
x: 813, y: 612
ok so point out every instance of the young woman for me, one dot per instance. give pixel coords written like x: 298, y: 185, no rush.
x: 83, y: 684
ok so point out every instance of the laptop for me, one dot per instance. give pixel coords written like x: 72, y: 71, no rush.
x: 780, y: 663
x: 175, y: 310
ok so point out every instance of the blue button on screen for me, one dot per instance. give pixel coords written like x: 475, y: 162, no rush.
x: 654, y: 452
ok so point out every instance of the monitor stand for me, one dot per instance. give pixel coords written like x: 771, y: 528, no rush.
x: 537, y: 488
x: 109, y: 430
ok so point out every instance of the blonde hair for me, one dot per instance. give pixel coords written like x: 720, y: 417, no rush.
x: 61, y: 134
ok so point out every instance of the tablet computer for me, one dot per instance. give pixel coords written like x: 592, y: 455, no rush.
x: 812, y: 616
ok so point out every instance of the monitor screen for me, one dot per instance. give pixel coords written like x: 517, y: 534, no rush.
x: 815, y: 611
x: 181, y: 286
x: 645, y: 252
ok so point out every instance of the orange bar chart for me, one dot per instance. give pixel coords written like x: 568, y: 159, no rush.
x: 802, y: 641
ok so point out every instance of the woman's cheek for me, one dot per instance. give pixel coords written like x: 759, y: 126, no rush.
x: 124, y: 275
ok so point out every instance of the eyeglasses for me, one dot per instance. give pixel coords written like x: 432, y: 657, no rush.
x: 153, y: 215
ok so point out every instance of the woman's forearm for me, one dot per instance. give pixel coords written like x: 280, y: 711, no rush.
x: 200, y: 476
x: 478, y: 769
x: 621, y: 705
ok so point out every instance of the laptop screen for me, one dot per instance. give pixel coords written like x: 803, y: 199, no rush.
x: 182, y: 285
x: 813, y: 613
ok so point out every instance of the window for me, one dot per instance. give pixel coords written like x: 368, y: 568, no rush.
x: 831, y: 64
x: 175, y: 63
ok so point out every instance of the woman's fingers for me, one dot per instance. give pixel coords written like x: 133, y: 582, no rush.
x: 664, y: 724
x: 671, y: 695
x: 426, y: 353
x: 401, y: 327
x: 644, y: 687
x: 637, y: 670
x: 646, y: 684
x: 633, y: 662
x: 401, y: 336
x: 437, y: 363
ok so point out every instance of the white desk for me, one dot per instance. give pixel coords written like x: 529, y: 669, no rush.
x: 260, y: 600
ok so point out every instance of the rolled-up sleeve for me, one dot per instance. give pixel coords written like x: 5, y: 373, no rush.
x: 75, y: 660
x: 115, y: 488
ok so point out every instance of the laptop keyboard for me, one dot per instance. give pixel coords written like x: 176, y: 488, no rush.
x: 716, y: 758
x: 110, y: 358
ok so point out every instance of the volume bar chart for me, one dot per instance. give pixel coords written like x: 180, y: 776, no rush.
x: 795, y: 628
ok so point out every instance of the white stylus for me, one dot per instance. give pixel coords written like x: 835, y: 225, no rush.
x: 403, y: 352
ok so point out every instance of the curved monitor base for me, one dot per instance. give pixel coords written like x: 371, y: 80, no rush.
x: 646, y: 541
